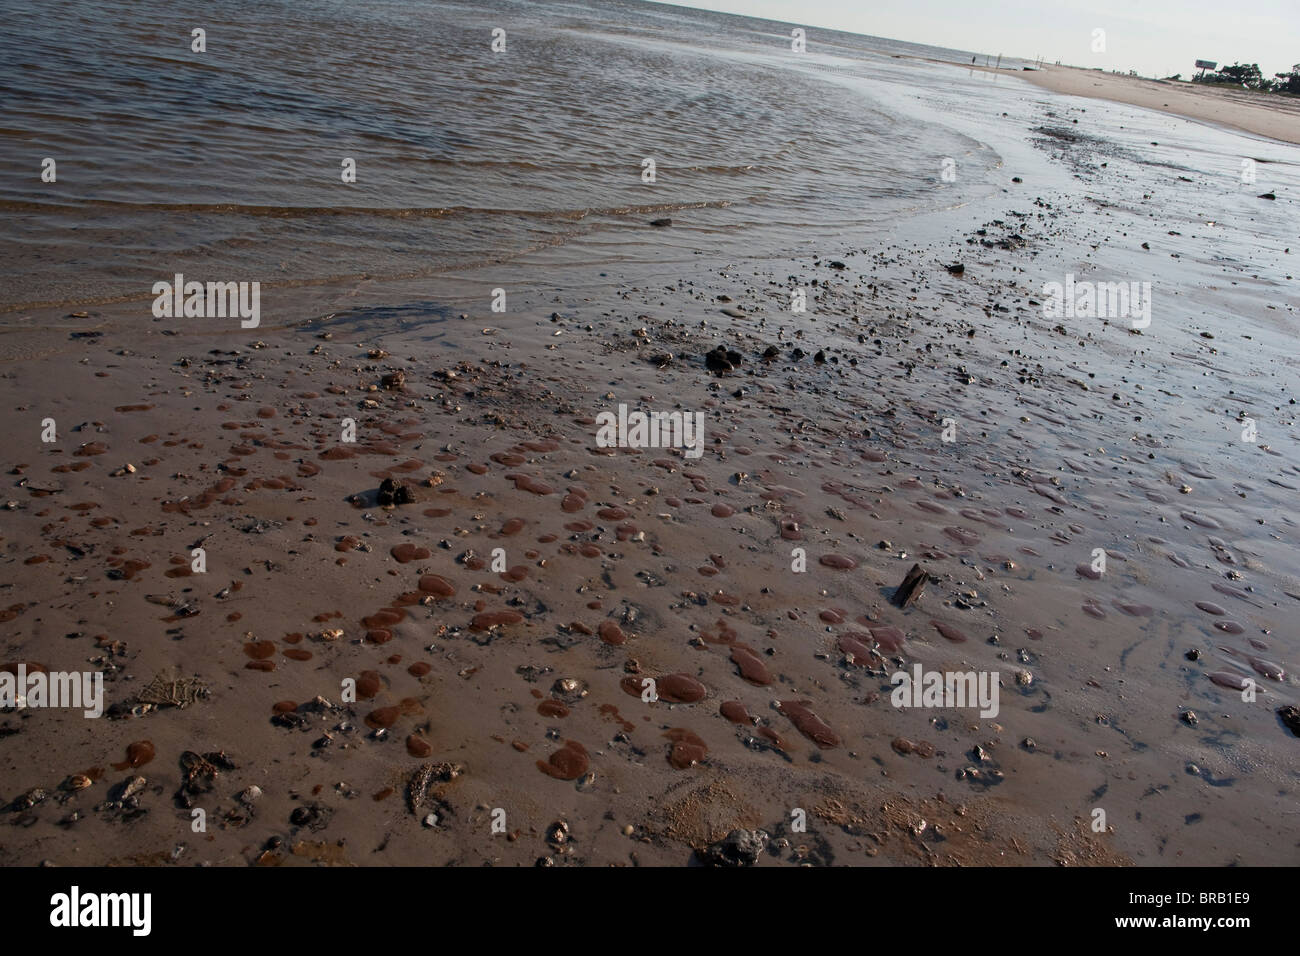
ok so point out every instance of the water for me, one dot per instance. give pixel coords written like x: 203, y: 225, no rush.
x: 227, y: 164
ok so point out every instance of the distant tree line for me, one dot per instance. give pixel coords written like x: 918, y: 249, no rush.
x: 1248, y: 76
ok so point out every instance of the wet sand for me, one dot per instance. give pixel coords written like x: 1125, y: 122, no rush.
x: 499, y: 694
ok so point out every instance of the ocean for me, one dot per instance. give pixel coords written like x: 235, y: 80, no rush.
x: 229, y: 163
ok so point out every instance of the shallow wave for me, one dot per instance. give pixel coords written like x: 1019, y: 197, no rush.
x: 229, y: 161
x: 313, y: 212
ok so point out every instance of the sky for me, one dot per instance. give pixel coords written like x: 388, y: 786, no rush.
x: 1153, y: 37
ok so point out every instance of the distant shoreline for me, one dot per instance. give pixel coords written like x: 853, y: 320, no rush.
x: 1273, y: 116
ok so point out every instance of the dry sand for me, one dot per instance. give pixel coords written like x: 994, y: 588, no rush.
x: 1271, y: 115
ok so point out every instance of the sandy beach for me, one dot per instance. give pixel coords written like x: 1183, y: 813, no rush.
x: 1263, y: 114
x: 368, y: 587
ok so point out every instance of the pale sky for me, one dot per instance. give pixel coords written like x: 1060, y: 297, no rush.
x: 1154, y: 37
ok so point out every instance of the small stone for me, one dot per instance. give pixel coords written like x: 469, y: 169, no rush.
x: 30, y: 799
x: 737, y: 848
x: 1290, y: 715
x: 303, y: 816
x: 717, y: 361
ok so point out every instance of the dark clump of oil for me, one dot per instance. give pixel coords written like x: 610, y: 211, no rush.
x: 808, y: 723
x: 552, y: 708
x: 687, y: 749
x: 680, y: 689
x: 138, y: 754
x: 751, y: 665
x: 735, y: 712
x: 383, y: 718
x: 568, y: 763
x: 490, y: 619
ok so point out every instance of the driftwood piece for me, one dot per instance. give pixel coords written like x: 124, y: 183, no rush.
x: 909, y: 592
